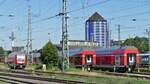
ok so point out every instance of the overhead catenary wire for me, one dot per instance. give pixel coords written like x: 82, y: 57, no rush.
x: 128, y: 15
x: 50, y: 7
x: 75, y: 10
x: 88, y: 6
x: 129, y: 8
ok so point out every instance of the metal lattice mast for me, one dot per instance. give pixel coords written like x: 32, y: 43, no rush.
x: 12, y: 38
x: 119, y: 35
x: 148, y: 33
x: 29, y: 36
x: 65, y: 48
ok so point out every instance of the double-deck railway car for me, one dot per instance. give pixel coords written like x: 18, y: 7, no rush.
x: 82, y: 57
x: 117, y: 58
x: 17, y: 60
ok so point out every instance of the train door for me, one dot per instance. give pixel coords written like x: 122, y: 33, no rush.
x: 117, y: 60
x: 89, y: 59
x: 131, y: 59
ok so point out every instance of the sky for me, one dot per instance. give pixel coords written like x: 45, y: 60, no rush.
x: 114, y: 11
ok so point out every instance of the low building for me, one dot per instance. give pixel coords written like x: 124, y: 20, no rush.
x: 115, y: 43
x: 18, y: 48
x: 82, y: 43
x: 35, y: 58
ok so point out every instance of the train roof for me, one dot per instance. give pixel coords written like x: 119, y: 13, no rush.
x: 75, y: 51
x: 17, y: 53
x: 112, y: 49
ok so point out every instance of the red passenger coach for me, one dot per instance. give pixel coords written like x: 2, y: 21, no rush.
x: 126, y: 58
x: 116, y: 58
x: 17, y: 60
x: 82, y: 56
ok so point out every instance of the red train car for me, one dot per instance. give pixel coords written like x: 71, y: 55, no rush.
x: 82, y: 56
x: 118, y: 58
x: 17, y: 60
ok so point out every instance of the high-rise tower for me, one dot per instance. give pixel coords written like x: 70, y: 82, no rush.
x: 96, y: 29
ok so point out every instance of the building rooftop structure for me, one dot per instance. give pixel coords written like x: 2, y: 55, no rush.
x: 80, y: 44
x: 96, y: 17
x: 18, y: 48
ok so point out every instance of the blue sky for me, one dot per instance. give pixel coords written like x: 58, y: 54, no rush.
x: 115, y: 11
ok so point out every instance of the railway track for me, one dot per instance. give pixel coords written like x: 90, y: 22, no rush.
x: 40, y: 74
x: 134, y: 75
x: 30, y: 78
x: 17, y: 80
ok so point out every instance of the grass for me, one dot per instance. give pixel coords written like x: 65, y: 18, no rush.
x: 104, y: 79
x: 3, y: 66
x: 31, y: 67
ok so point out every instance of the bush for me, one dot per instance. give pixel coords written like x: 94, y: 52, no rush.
x: 49, y: 55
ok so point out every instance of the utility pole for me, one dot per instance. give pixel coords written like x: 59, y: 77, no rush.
x: 12, y: 38
x: 110, y: 42
x: 29, y: 36
x: 119, y: 35
x: 109, y: 31
x: 148, y: 33
x: 65, y: 48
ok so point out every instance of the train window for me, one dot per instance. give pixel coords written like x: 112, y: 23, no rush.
x: 117, y: 59
x: 88, y: 57
x: 78, y: 58
x: 131, y: 58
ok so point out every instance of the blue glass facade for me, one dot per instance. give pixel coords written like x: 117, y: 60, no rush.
x: 97, y: 31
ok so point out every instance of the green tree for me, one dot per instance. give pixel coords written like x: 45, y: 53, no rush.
x: 49, y: 55
x: 140, y: 42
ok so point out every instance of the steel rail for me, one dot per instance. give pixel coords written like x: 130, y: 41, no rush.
x: 28, y: 75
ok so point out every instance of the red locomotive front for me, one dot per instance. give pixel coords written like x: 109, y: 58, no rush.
x: 17, y: 60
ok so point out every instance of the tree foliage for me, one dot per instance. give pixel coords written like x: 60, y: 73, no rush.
x: 49, y: 54
x: 140, y: 42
